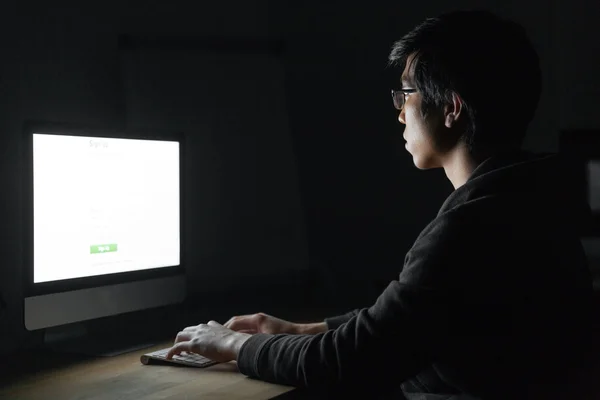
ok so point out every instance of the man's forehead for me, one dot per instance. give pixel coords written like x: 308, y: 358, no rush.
x: 407, y: 78
x: 409, y: 69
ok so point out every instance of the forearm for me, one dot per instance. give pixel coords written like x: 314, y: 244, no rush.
x: 355, y: 353
x: 348, y: 357
x: 321, y: 327
x: 311, y: 329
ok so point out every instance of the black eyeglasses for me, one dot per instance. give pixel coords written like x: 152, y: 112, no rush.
x: 399, y: 97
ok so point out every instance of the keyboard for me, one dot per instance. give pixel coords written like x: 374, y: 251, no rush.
x: 187, y: 359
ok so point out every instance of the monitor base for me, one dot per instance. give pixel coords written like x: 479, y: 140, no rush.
x: 76, y: 339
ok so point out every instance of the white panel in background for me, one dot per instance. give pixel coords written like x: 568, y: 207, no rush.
x: 594, y: 185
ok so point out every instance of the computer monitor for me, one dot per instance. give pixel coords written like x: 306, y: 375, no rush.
x: 103, y: 229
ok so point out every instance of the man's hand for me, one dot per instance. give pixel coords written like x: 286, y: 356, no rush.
x: 263, y: 323
x: 211, y: 340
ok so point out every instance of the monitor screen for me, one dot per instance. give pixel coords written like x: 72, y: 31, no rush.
x: 104, y: 206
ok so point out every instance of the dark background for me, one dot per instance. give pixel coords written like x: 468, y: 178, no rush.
x: 354, y: 201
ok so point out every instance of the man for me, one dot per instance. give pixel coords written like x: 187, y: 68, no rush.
x: 494, y: 297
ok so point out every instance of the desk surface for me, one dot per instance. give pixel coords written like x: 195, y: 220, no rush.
x: 125, y: 377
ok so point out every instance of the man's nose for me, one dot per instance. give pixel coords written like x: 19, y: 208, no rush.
x: 401, y: 117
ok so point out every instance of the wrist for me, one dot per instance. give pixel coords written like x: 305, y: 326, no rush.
x: 310, y: 329
x: 238, y: 340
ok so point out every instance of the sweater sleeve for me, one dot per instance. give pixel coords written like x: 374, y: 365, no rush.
x: 335, y: 322
x: 380, y: 346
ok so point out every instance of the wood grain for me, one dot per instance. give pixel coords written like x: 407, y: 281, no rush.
x: 124, y: 377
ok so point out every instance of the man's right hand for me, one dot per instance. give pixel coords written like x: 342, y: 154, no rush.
x: 264, y: 323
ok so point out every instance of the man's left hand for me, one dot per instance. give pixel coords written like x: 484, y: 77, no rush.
x: 211, y: 340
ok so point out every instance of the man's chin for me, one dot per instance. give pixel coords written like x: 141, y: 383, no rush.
x: 423, y: 163
x: 422, y: 167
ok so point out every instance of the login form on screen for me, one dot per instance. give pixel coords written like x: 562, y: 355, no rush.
x: 104, y: 206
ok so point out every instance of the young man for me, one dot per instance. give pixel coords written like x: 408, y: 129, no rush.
x: 494, y: 297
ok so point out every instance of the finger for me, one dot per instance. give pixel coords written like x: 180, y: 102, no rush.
x: 245, y: 323
x: 183, y: 336
x: 230, y: 321
x: 178, y: 349
x: 235, y: 319
x: 190, y: 328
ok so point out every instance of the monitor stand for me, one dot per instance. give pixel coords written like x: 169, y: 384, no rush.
x: 77, y: 339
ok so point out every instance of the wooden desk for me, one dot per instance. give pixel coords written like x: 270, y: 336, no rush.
x: 124, y: 377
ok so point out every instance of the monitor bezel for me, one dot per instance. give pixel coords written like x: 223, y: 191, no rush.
x: 56, y: 128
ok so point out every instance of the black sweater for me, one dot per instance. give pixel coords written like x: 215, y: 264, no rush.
x: 494, y: 297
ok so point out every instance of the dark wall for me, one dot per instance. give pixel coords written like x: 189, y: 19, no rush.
x: 364, y: 202
x: 244, y: 218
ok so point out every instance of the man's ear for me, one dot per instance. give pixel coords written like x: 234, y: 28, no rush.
x: 453, y: 111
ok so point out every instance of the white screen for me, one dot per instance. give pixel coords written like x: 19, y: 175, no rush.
x: 103, y: 206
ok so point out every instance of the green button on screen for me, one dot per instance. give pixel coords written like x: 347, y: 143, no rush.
x: 103, y: 248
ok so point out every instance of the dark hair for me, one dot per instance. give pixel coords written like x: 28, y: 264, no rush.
x: 488, y: 61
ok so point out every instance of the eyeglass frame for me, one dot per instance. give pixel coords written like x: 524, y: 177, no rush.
x: 396, y: 97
